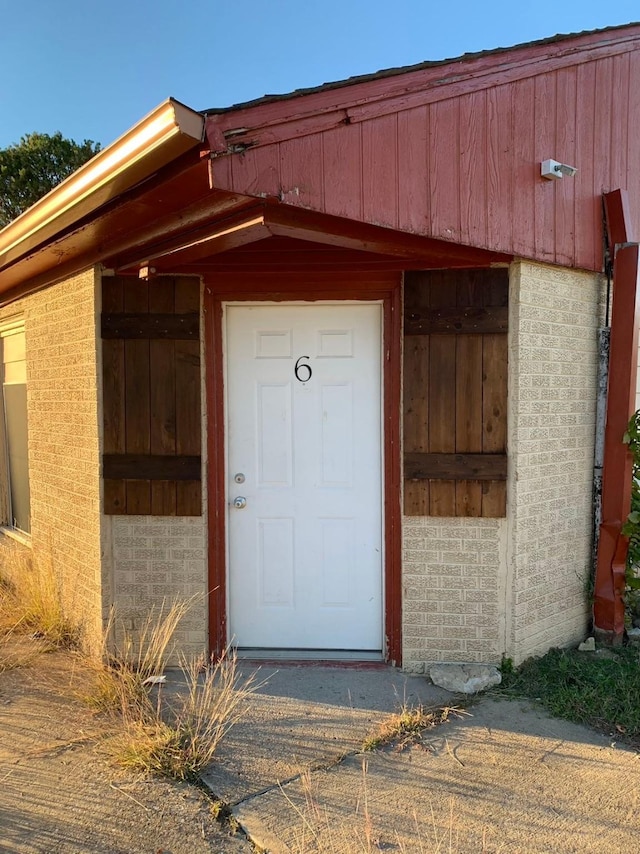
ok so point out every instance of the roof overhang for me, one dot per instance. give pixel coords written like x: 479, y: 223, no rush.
x: 271, y: 219
x: 168, y: 131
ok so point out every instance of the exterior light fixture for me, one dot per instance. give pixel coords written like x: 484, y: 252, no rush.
x: 554, y: 169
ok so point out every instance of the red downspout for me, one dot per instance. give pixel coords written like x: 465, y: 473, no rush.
x: 608, y: 609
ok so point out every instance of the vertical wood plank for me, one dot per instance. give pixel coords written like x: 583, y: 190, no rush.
x: 413, y: 164
x: 544, y: 191
x: 633, y: 149
x: 442, y: 401
x: 473, y: 165
x: 416, y: 417
x: 301, y: 172
x: 494, y: 417
x: 343, y: 186
x: 380, y: 179
x: 588, y: 208
x: 188, y: 398
x: 468, y: 418
x: 526, y: 170
x: 138, y: 438
x: 162, y: 396
x: 500, y: 147
x: 257, y: 171
x: 619, y: 120
x: 496, y: 292
x: 113, y: 396
x: 442, y: 417
x: 445, y: 182
x: 566, y: 153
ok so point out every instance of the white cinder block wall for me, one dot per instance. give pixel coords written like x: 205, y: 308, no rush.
x: 475, y: 589
x: 64, y: 453
x: 453, y: 590
x: 554, y: 317
x: 156, y: 559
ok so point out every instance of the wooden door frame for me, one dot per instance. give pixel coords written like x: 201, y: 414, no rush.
x: 239, y: 287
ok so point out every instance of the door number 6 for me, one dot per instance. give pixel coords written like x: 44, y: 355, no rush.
x: 302, y: 371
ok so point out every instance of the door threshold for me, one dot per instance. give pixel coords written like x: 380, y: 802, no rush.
x: 316, y: 655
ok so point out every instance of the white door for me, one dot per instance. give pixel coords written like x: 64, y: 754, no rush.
x: 304, y: 454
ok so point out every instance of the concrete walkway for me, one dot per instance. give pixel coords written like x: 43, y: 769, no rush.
x: 502, y: 777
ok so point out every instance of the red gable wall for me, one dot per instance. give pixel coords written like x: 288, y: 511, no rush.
x: 454, y: 151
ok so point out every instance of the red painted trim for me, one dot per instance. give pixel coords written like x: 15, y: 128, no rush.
x: 222, y: 288
x: 392, y: 342
x: 216, y: 486
x: 608, y: 609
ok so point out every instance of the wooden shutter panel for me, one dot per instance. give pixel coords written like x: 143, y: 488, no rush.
x: 151, y: 396
x: 455, y: 392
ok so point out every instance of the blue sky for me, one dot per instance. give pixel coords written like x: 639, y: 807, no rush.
x: 92, y: 70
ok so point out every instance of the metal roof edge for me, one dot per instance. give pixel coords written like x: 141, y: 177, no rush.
x: 408, y: 69
x: 167, y: 131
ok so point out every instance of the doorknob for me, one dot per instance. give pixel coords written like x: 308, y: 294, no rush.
x: 240, y: 503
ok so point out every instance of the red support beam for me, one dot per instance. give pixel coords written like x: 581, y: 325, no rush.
x: 608, y: 609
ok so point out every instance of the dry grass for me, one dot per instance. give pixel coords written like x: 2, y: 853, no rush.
x: 32, y: 614
x: 175, y: 733
x: 318, y: 832
x: 406, y: 726
x: 181, y: 735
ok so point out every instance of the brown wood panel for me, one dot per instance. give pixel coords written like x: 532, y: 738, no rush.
x: 494, y: 416
x: 113, y: 395
x: 151, y: 467
x: 455, y: 466
x: 188, y: 399
x: 137, y: 405
x: 468, y: 394
x: 416, y: 393
x: 115, y: 497
x: 442, y: 379
x: 496, y: 291
x: 471, y: 290
x: 163, y: 393
x: 164, y: 498
x: 416, y: 417
x: 457, y: 320
x: 494, y: 499
x: 494, y: 400
x: 452, y: 398
x: 150, y: 326
x: 442, y: 416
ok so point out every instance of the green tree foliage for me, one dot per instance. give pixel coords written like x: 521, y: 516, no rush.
x: 32, y: 167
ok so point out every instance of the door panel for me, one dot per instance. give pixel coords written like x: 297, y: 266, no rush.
x: 303, y: 388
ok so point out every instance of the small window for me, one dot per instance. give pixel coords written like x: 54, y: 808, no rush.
x: 15, y: 433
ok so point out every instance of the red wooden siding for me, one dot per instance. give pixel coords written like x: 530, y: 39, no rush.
x: 455, y: 393
x: 151, y: 396
x: 460, y: 161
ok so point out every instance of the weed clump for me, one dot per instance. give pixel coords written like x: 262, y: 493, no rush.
x: 169, y: 730
x: 406, y: 727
